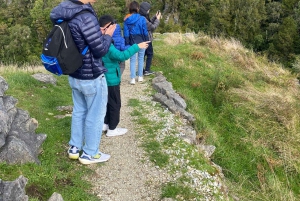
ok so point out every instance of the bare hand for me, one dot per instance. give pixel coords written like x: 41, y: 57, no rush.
x: 110, y: 30
x: 158, y: 15
x: 144, y: 45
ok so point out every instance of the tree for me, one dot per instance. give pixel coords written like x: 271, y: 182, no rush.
x: 285, y: 40
x: 247, y: 17
x: 41, y: 23
x: 220, y: 22
x: 17, y: 47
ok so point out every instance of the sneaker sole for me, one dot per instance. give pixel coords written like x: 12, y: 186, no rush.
x: 114, y: 135
x: 73, y: 156
x: 87, y: 162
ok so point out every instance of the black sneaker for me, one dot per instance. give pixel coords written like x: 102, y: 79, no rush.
x: 146, y: 73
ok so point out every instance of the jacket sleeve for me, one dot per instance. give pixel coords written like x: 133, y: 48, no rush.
x: 153, y: 24
x: 97, y: 42
x: 144, y: 29
x: 118, y: 55
x: 120, y: 44
x: 126, y: 34
x: 119, y: 41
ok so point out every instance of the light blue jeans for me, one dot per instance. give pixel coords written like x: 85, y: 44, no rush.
x: 140, y: 56
x: 89, y: 99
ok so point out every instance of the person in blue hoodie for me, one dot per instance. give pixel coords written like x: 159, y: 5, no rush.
x: 119, y: 43
x: 135, y: 31
x: 88, y: 83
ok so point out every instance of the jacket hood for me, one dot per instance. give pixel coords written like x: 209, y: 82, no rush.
x: 144, y: 7
x: 132, y: 19
x: 68, y: 9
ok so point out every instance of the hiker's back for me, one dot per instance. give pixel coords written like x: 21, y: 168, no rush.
x: 85, y: 32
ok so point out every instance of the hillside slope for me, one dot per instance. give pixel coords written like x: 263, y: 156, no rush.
x: 244, y: 105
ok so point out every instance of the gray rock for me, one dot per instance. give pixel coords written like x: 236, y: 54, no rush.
x: 56, y: 197
x: 16, y: 151
x: 18, y: 142
x: 3, y: 86
x: 168, y: 97
x: 4, y: 127
x: 9, y: 103
x: 46, y: 78
x: 13, y: 190
x: 208, y: 150
x: 23, y: 123
x: 172, y: 106
x: 68, y: 108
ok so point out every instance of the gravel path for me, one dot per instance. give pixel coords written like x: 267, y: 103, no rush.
x: 130, y: 176
x: 127, y: 176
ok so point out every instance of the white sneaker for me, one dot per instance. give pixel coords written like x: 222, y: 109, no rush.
x: 132, y: 81
x: 140, y: 79
x: 116, y: 132
x: 105, y: 127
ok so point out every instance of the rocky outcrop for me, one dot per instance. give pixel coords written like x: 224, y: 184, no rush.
x: 13, y: 190
x: 168, y: 97
x: 45, y: 78
x: 18, y: 142
x: 56, y: 197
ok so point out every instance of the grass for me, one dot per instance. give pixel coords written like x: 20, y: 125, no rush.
x: 244, y: 105
x: 56, y: 173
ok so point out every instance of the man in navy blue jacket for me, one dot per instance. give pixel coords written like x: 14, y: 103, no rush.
x: 89, y: 88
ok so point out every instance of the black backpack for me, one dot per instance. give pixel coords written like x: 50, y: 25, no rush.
x: 60, y: 54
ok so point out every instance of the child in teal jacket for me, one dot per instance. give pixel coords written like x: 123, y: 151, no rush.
x: 113, y: 78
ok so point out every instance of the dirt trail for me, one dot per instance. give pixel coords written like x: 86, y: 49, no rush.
x: 128, y: 175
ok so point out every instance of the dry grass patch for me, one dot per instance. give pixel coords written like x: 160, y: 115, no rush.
x: 178, y: 63
x: 198, y: 56
x: 173, y: 39
x: 178, y: 38
x: 190, y: 37
x: 273, y: 122
x: 28, y: 68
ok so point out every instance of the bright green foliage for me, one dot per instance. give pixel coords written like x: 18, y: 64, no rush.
x: 112, y: 8
x: 285, y: 39
x: 41, y: 19
x: 239, y: 19
x: 17, y: 43
x: 254, y: 22
x: 220, y: 23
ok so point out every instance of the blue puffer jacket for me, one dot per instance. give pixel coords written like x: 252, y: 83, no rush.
x: 119, y: 41
x: 85, y: 30
x: 135, y: 29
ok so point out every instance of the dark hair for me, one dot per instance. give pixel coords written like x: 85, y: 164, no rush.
x: 105, y: 19
x: 134, y: 7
